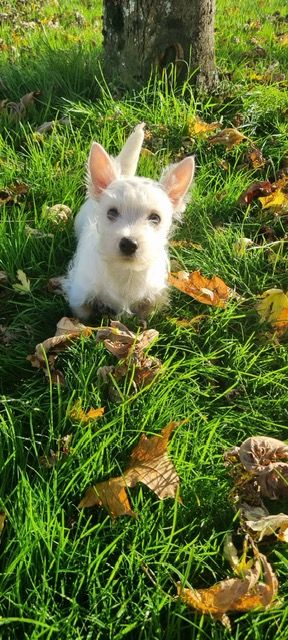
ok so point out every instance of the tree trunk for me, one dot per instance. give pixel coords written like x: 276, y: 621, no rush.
x: 140, y: 35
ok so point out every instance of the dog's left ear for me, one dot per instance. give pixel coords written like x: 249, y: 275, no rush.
x: 102, y: 170
x: 176, y: 181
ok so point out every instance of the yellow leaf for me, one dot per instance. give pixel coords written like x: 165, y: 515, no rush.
x: 277, y: 200
x: 77, y: 413
x: 273, y: 308
x: 228, y: 137
x: 198, y: 127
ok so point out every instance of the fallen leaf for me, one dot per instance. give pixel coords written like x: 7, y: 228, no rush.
x: 149, y: 463
x: 228, y: 137
x: 46, y: 127
x: 76, y: 413
x: 24, y: 287
x: 254, y: 158
x: 13, y: 192
x: 18, y: 109
x: 67, y: 330
x: 58, y: 213
x: 197, y: 127
x: 185, y: 323
x: 234, y: 594
x: 260, y: 522
x: 263, y: 471
x: 211, y: 291
x: 129, y: 348
x: 278, y: 201
x: 256, y: 190
x: 240, y: 566
x: 273, y: 308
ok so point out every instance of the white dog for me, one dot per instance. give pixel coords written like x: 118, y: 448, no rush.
x: 121, y: 260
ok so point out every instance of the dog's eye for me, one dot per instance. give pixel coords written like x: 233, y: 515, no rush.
x: 113, y: 213
x: 154, y: 218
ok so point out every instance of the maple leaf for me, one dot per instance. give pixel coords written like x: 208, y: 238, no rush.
x: 149, y: 463
x: 24, y: 287
x: 234, y: 594
x: 273, y: 308
x: 228, y: 137
x: 278, y: 201
x: 211, y: 291
x: 67, y: 330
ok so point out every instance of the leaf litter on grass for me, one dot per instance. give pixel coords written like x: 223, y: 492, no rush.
x: 273, y: 308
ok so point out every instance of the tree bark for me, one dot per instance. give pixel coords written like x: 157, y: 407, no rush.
x: 140, y: 35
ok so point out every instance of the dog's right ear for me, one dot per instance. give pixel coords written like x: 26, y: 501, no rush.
x: 101, y: 170
x: 129, y: 156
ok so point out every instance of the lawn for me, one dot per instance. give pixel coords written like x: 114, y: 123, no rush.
x: 77, y: 574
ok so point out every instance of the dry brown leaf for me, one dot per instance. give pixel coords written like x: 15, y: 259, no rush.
x: 76, y: 413
x: 254, y: 158
x: 13, y: 192
x: 212, y: 291
x: 197, y: 127
x: 263, y: 471
x: 18, y: 109
x: 149, y: 463
x: 129, y: 348
x: 256, y: 190
x: 273, y: 308
x: 261, y: 523
x: 228, y: 137
x: 67, y: 330
x: 234, y: 594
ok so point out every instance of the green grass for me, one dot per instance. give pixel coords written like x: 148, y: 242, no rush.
x: 77, y: 575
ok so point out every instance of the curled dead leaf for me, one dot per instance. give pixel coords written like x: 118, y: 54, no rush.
x: 234, y: 594
x: 67, y: 330
x: 256, y: 189
x: 228, y: 137
x: 197, y: 127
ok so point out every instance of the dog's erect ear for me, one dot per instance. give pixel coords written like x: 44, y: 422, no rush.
x: 129, y: 156
x: 101, y: 170
x: 176, y: 181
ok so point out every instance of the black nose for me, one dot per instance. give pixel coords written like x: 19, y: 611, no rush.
x: 128, y: 246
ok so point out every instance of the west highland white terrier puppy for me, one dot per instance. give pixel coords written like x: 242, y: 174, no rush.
x: 121, y: 260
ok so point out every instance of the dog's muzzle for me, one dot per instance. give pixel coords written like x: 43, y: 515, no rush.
x: 128, y: 246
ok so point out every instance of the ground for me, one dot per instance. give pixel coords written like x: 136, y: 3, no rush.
x: 76, y: 574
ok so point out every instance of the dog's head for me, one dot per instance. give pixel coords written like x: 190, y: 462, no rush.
x: 134, y: 215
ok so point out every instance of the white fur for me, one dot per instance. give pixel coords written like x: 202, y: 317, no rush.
x: 99, y: 272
